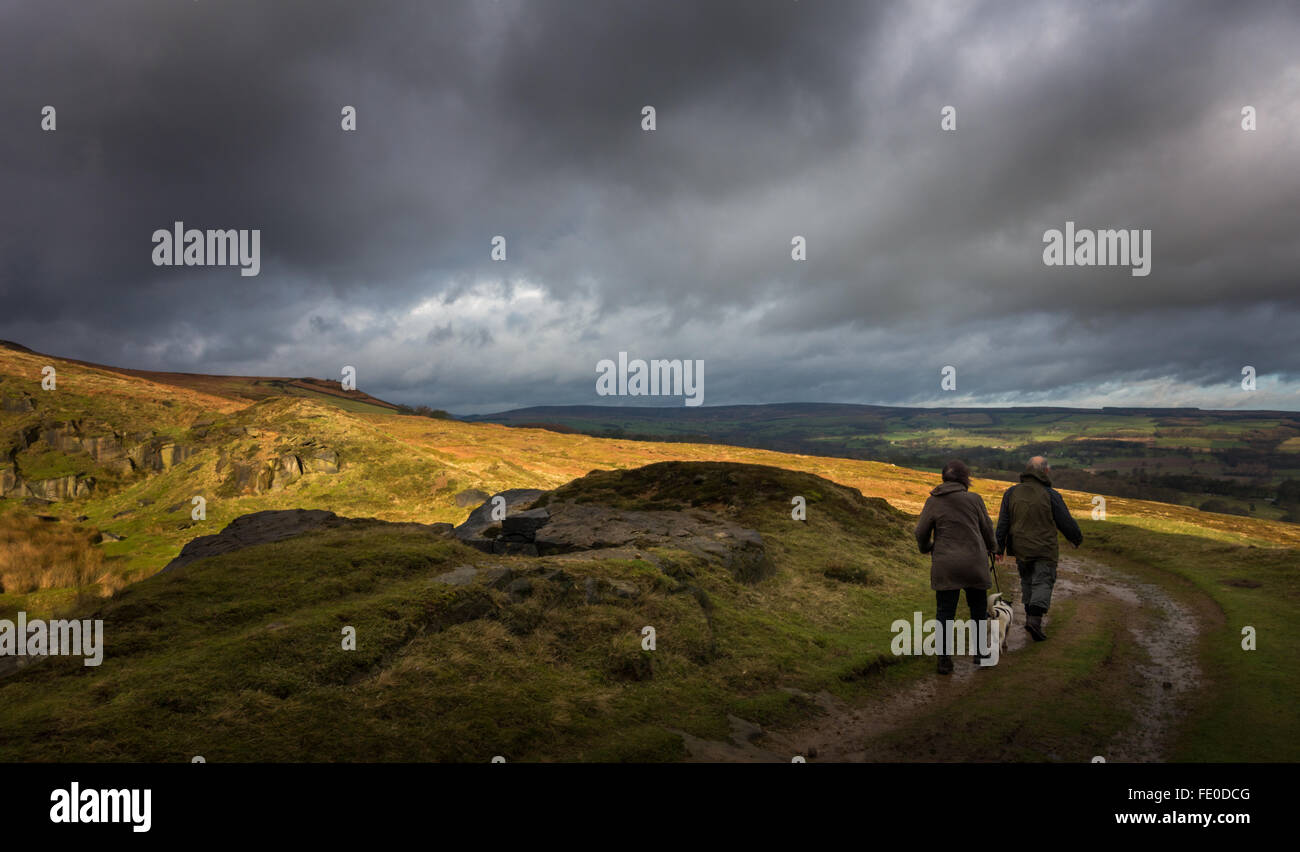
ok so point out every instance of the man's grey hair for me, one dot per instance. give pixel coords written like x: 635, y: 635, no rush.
x: 1038, y: 463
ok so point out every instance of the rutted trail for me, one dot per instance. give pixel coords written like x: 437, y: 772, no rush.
x: 1155, y: 679
x: 1169, y: 640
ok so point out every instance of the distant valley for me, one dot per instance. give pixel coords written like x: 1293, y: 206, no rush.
x: 1233, y: 462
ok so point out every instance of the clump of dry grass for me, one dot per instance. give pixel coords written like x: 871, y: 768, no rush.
x: 38, y: 554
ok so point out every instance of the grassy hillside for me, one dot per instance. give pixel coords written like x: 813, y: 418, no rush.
x: 248, y: 388
x: 238, y: 656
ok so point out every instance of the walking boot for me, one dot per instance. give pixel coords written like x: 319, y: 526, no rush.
x: 1034, y: 624
x: 945, y: 664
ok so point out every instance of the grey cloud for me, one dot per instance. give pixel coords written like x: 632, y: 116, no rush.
x: 776, y: 118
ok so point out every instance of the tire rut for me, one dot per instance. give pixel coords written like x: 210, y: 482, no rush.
x: 1165, y: 630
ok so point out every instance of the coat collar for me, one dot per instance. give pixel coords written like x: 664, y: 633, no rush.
x: 1036, y: 475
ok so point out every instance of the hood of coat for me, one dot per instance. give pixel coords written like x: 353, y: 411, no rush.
x: 1038, y: 475
x: 946, y: 488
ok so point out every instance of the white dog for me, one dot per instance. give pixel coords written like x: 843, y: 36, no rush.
x: 1001, y: 614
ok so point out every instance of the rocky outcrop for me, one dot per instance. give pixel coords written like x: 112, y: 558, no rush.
x: 589, y: 526
x: 277, y: 525
x: 118, y: 452
x: 48, y: 490
x: 65, y: 437
x: 250, y: 530
x: 481, y: 529
x: 320, y: 461
x: 159, y: 454
x: 18, y: 404
x: 9, y: 482
x: 567, y: 527
x: 471, y: 497
x: 60, y: 488
x: 97, y: 440
x: 280, y: 472
x: 109, y: 451
x: 277, y: 472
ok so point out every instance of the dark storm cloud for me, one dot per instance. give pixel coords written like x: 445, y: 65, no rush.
x: 776, y: 118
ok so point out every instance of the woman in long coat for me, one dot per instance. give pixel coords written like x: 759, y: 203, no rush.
x: 955, y: 529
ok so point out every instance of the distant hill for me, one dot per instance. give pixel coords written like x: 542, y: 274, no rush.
x: 1239, y: 462
x: 252, y: 388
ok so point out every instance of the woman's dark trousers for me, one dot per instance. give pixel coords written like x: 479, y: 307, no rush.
x: 946, y: 606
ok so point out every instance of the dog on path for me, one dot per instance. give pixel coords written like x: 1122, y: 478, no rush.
x: 1001, y: 614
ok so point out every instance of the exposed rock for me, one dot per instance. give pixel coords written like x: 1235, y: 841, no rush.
x: 10, y: 483
x: 565, y: 527
x: 159, y: 454
x: 18, y: 404
x: 68, y: 487
x: 254, y: 529
x: 64, y: 437
x: 282, y: 471
x: 276, y: 525
x: 118, y: 452
x: 321, y: 461
x: 274, y: 474
x: 480, y: 520
x: 108, y: 450
x: 624, y: 589
x: 498, y: 576
x: 589, y: 526
x: 242, y: 479
x: 513, y: 548
x: 525, y: 523
x: 108, y: 536
x: 471, y: 497
x: 462, y: 576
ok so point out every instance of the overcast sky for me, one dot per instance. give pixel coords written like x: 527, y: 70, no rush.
x: 775, y: 118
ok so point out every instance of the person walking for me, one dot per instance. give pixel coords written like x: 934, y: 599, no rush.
x: 955, y: 529
x: 1031, y: 514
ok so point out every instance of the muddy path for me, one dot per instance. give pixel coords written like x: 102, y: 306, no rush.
x: 1155, y: 673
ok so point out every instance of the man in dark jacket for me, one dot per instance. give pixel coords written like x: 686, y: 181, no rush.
x: 955, y: 529
x: 1030, y: 516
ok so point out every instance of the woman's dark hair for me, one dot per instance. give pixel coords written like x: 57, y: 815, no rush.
x: 956, y: 471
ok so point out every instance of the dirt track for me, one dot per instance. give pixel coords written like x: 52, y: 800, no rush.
x: 1155, y: 670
